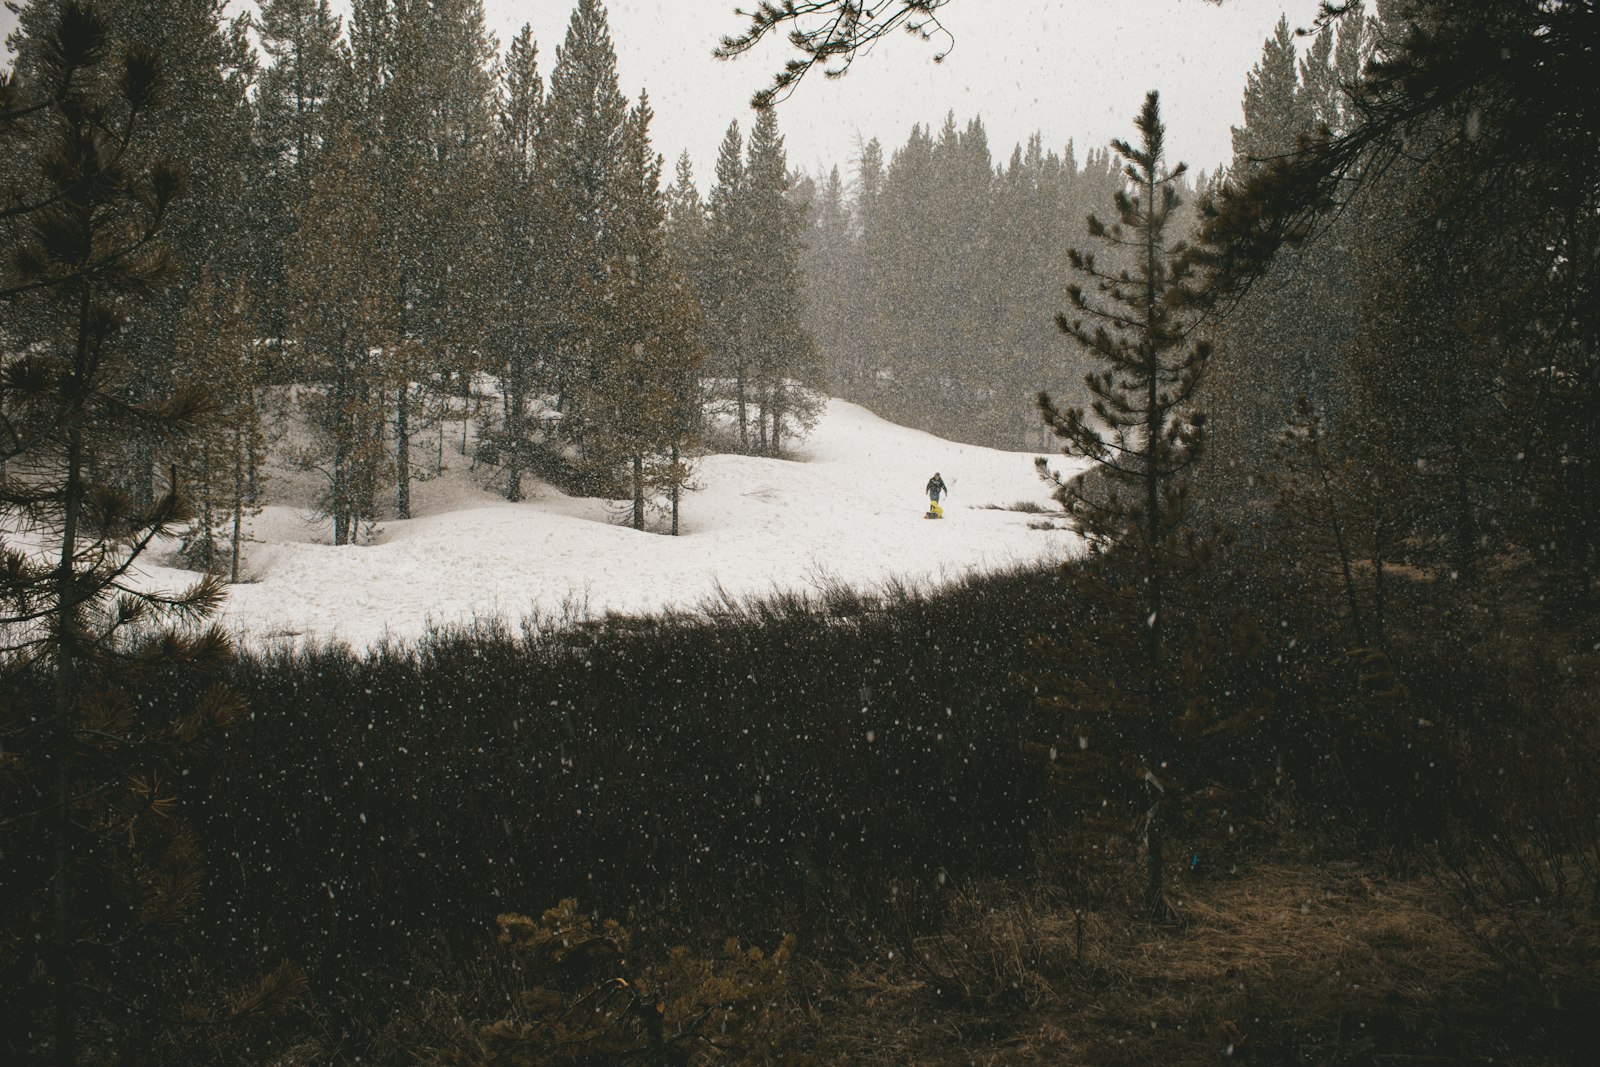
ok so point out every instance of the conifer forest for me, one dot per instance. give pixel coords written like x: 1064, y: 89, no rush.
x: 1290, y: 760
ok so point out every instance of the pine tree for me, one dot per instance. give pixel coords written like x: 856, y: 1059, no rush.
x: 98, y: 868
x: 1287, y: 339
x: 782, y: 355
x: 341, y: 266
x: 963, y: 188
x: 688, y: 252
x: 686, y: 221
x: 1274, y: 111
x: 297, y: 92
x: 868, y: 182
x: 1468, y: 240
x: 831, y: 260
x: 524, y: 321
x: 220, y: 464
x: 1141, y: 438
x: 647, y: 336
x: 427, y: 97
x: 295, y: 116
x: 865, y: 361
x: 902, y: 249
x: 725, y: 292
x: 208, y: 68
x: 585, y: 115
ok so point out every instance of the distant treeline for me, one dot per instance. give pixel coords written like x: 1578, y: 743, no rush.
x: 933, y: 279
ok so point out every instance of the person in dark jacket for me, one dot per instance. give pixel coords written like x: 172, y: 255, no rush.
x: 936, y: 487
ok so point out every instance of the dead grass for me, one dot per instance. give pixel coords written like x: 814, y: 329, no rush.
x: 1290, y: 963
x: 1026, y: 507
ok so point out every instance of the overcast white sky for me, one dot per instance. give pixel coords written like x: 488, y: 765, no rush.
x: 1072, y: 69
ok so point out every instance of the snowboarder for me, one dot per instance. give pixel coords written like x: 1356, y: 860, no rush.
x: 936, y: 487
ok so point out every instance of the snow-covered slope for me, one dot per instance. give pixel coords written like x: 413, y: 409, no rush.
x: 848, y: 508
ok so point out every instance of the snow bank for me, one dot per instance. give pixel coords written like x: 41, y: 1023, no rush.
x: 848, y: 508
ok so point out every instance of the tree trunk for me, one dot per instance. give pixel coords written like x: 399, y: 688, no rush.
x: 744, y: 421
x: 66, y: 701
x: 252, y: 461
x: 238, y: 512
x: 1465, y: 529
x: 512, y: 400
x: 1154, y: 446
x: 402, y: 413
x: 1155, y: 868
x: 638, y: 491
x: 1339, y: 545
x: 208, y: 541
x: 402, y: 450
x: 777, y: 419
x: 676, y: 489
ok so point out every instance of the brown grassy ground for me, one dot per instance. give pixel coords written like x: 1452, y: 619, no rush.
x: 1290, y: 962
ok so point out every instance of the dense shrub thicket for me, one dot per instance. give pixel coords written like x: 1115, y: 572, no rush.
x: 830, y: 766
x: 764, y: 764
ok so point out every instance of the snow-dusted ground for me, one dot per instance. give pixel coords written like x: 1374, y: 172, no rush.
x: 847, y: 508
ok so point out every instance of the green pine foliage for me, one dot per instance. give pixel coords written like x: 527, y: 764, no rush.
x: 523, y: 322
x: 686, y: 221
x: 587, y: 1000
x: 345, y: 333
x: 925, y: 298
x: 303, y: 75
x: 584, y: 118
x: 785, y: 370
x: 208, y: 68
x: 1289, y: 338
x: 298, y: 86
x: 730, y: 261
x: 1145, y: 687
x: 428, y: 93
x: 648, y: 340
x: 1385, y: 647
x: 762, y: 361
x: 221, y: 463
x: 100, y: 868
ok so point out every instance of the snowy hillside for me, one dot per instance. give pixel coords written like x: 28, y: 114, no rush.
x: 848, y: 508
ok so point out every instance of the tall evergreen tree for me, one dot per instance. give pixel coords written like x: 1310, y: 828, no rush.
x: 688, y: 251
x: 341, y: 268
x: 686, y: 221
x: 297, y: 91
x: 782, y: 354
x: 430, y: 103
x: 525, y: 324
x: 209, y: 68
x: 1141, y: 438
x: 831, y: 259
x: 98, y: 868
x: 295, y: 117
x: 902, y: 249
x: 725, y: 282
x: 580, y: 160
x: 860, y: 363
x: 220, y: 463
x: 647, y: 336
x: 1275, y: 112
x: 1287, y: 339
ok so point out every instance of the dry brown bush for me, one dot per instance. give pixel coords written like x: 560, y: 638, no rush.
x: 1298, y: 961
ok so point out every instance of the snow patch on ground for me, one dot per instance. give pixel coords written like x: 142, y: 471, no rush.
x: 847, y: 508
